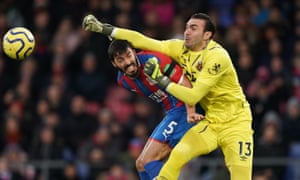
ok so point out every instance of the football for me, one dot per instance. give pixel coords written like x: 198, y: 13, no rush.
x: 18, y: 43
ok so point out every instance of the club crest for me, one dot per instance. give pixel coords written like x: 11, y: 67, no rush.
x: 199, y: 66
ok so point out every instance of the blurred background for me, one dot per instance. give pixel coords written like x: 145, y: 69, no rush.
x: 62, y: 116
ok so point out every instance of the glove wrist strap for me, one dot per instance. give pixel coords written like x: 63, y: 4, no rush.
x: 164, y: 82
x: 107, y: 29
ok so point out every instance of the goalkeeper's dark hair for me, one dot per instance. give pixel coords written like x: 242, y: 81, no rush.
x: 209, y: 25
x: 118, y: 47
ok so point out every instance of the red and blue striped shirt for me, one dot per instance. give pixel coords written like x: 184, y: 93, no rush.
x: 143, y: 86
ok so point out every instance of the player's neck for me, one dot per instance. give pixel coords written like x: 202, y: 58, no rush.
x: 201, y: 46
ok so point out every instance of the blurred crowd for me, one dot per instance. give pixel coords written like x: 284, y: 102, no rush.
x: 62, y: 103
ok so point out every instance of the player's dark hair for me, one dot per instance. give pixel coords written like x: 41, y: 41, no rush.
x: 209, y: 25
x: 117, y: 47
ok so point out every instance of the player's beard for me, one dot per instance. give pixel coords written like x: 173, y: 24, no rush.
x: 133, y: 74
x: 133, y: 70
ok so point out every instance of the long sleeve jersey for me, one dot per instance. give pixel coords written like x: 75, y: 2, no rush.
x: 211, y: 72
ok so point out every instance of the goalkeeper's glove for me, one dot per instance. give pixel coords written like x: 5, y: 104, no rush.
x: 152, y: 70
x: 91, y: 23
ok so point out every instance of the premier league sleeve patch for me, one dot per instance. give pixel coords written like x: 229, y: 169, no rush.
x: 215, y: 69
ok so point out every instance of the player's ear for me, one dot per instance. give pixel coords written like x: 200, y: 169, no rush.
x: 114, y: 64
x: 207, y: 35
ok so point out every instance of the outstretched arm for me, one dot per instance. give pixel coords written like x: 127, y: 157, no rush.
x: 138, y: 40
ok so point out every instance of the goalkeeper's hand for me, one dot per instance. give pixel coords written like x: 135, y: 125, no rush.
x: 152, y: 70
x: 194, y: 117
x: 91, y: 23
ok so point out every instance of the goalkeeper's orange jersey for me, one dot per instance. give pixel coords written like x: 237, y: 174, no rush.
x: 215, y: 83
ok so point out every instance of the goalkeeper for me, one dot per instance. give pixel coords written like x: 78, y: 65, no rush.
x: 228, y: 120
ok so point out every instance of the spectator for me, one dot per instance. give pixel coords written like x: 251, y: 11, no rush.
x: 70, y: 172
x: 270, y: 144
x: 78, y: 124
x: 90, y: 82
x: 291, y: 121
x: 46, y: 146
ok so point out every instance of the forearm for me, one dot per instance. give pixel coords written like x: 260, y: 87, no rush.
x: 190, y: 96
x: 185, y: 82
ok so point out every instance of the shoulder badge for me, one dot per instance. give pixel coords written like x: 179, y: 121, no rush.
x: 215, y: 69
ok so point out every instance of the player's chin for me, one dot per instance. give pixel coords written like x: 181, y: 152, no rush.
x: 187, y: 44
x: 132, y: 74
